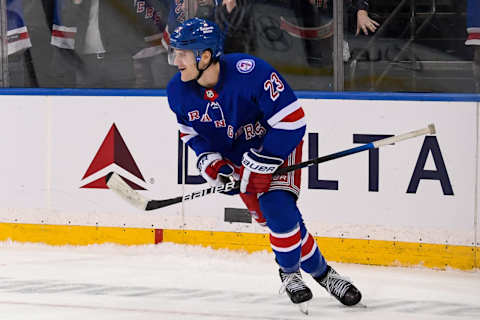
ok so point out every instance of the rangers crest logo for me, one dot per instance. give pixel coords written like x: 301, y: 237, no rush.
x: 245, y: 65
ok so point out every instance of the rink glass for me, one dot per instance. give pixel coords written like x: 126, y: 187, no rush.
x: 418, y: 47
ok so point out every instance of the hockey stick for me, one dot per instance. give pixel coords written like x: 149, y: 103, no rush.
x: 119, y: 186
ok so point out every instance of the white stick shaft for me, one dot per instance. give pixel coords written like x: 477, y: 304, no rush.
x: 119, y: 186
x: 420, y: 132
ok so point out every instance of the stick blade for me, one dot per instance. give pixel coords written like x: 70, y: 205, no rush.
x: 157, y: 204
x: 122, y: 189
x: 431, y: 128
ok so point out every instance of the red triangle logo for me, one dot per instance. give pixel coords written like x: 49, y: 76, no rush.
x: 113, y: 150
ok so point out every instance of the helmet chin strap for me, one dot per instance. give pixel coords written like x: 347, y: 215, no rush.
x: 200, y: 71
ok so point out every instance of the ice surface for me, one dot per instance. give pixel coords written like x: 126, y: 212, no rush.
x: 169, y: 281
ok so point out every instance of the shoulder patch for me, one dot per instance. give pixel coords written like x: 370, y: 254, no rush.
x: 245, y: 65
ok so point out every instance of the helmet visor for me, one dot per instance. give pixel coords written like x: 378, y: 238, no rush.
x: 171, y: 55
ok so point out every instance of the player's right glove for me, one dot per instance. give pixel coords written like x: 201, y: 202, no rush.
x: 216, y: 170
x: 257, y: 171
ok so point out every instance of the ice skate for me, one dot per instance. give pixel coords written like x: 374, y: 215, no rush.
x: 340, y: 287
x: 296, y: 289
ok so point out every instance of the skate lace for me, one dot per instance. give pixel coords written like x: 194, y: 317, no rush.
x: 292, y: 282
x: 336, y: 284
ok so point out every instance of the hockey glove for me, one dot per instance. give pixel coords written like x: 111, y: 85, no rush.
x: 257, y: 171
x: 216, y: 170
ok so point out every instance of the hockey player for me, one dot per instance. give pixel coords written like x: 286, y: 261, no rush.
x: 244, y: 122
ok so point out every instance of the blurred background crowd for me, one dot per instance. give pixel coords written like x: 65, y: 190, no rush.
x: 349, y: 45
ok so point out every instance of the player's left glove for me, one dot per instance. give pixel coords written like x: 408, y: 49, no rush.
x: 215, y: 169
x: 257, y: 171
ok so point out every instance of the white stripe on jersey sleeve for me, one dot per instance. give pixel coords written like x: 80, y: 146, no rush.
x: 277, y: 117
x: 187, y: 133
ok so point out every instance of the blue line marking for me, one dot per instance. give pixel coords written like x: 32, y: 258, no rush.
x: 84, y: 92
x: 468, y: 97
x: 389, y: 96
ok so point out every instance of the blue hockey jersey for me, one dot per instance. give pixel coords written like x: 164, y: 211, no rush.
x: 125, y: 26
x: 473, y: 22
x: 17, y: 33
x: 251, y: 106
x: 176, y: 14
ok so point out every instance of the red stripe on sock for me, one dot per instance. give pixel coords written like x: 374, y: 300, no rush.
x: 285, y: 242
x: 308, y: 245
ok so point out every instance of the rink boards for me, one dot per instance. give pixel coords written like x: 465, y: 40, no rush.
x: 412, y: 203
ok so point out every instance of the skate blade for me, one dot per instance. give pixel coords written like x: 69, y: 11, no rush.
x: 303, y: 307
x: 356, y: 306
